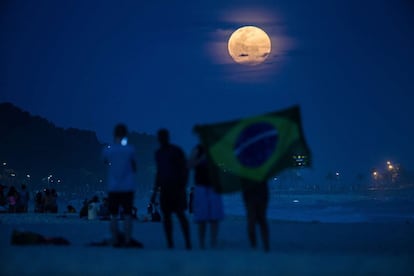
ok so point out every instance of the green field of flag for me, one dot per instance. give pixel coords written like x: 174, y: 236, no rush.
x: 253, y: 149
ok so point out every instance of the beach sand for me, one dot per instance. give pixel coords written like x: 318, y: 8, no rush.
x: 297, y: 248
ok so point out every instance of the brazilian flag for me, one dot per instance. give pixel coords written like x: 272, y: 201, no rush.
x: 252, y: 150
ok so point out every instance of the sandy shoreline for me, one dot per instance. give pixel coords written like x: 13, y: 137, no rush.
x: 297, y: 248
x: 71, y: 261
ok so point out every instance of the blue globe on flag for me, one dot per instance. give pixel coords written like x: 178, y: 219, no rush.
x: 256, y: 144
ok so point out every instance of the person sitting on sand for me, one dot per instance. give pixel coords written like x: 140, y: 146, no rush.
x: 103, y: 211
x: 121, y: 160
x: 152, y: 212
x: 70, y: 209
x: 83, y: 213
x: 93, y: 208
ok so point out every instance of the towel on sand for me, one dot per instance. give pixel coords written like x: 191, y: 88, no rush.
x: 32, y: 238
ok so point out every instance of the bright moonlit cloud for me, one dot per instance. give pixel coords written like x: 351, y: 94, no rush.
x: 252, y: 15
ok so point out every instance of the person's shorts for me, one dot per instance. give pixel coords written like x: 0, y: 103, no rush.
x: 120, y: 199
x: 207, y: 204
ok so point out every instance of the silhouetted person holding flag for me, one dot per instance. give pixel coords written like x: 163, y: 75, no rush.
x: 121, y: 160
x: 256, y: 199
x: 171, y: 181
x: 245, y: 152
x: 207, y: 204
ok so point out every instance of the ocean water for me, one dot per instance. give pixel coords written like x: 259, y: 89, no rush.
x: 371, y: 206
x: 377, y: 206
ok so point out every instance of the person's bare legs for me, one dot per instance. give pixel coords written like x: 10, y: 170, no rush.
x: 113, y: 226
x: 264, y: 228
x: 128, y: 228
x: 185, y: 227
x: 168, y: 229
x: 214, y: 228
x: 202, y: 228
x: 251, y: 223
x: 265, y: 235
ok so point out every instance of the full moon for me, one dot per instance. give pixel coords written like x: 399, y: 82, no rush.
x: 249, y: 45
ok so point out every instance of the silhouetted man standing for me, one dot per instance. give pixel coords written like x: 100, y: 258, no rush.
x: 256, y: 199
x: 121, y: 160
x: 171, y: 181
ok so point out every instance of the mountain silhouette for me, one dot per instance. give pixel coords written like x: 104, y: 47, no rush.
x: 36, y: 152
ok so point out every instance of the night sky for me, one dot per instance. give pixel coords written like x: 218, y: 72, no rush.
x: 91, y: 64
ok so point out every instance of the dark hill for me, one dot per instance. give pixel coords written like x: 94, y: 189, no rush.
x: 31, y: 145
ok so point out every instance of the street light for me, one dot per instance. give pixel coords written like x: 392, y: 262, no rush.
x: 49, y: 180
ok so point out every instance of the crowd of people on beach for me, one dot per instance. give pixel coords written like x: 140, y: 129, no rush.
x: 92, y: 208
x: 46, y: 201
x: 14, y: 201
x: 170, y: 195
x: 17, y: 201
x: 98, y: 209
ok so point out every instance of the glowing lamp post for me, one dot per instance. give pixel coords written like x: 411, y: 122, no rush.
x: 49, y: 179
x: 393, y: 170
x: 375, y: 175
x: 28, y: 178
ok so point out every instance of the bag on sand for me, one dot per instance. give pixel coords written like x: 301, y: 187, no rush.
x: 155, y: 216
x: 121, y: 238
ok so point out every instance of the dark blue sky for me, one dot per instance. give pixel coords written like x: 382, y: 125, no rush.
x: 91, y: 64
